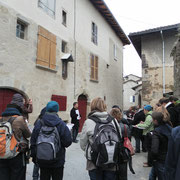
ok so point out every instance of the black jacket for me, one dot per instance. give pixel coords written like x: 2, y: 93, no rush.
x: 74, y: 116
x: 159, y: 143
x: 172, y: 165
x: 139, y: 116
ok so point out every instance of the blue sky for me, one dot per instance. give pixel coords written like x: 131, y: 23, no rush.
x: 138, y: 15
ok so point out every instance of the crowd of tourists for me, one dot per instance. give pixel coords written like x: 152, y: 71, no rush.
x: 105, y: 140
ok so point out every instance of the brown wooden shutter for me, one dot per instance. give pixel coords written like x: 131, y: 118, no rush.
x: 92, y: 66
x: 96, y: 68
x: 46, y: 52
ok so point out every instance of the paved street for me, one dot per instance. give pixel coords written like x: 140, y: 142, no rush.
x: 75, y: 168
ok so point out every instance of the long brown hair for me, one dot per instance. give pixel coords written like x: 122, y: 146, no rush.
x: 98, y: 104
x: 116, y: 113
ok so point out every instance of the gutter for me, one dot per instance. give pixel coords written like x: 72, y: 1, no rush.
x: 163, y: 63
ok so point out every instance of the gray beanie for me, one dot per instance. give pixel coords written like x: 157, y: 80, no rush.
x: 18, y: 100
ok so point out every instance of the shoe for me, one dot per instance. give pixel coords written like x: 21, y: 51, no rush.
x: 144, y: 150
x: 145, y: 163
x: 137, y: 151
x: 76, y: 141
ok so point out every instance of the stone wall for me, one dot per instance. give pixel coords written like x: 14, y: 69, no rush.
x: 152, y: 71
x: 176, y: 56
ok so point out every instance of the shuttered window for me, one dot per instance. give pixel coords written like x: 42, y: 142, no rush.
x: 94, y: 67
x: 46, y: 53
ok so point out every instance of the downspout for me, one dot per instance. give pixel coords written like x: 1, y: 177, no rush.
x: 74, y: 49
x: 163, y: 63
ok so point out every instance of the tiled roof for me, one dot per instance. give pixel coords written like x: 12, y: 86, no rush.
x: 101, y: 6
x: 162, y: 28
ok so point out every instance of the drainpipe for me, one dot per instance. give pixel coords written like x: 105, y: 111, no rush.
x: 74, y: 49
x: 163, y: 63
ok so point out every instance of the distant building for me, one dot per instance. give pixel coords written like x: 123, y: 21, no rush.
x: 129, y: 95
x: 154, y: 46
x: 63, y: 50
x: 176, y: 57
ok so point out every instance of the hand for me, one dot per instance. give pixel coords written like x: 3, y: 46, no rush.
x: 30, y: 101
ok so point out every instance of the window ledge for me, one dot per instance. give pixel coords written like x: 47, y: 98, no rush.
x: 46, y: 68
x: 92, y: 80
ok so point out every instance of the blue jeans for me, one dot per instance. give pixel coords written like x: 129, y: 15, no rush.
x: 157, y: 171
x: 102, y: 175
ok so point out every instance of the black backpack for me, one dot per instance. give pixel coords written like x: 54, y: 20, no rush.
x: 104, y: 148
x: 48, y: 144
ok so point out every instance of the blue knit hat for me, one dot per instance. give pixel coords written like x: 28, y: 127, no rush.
x: 52, y: 106
x: 148, y: 107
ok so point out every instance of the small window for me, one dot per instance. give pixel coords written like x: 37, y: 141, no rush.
x: 94, y: 67
x: 48, y: 6
x: 64, y: 69
x: 64, y: 47
x: 21, y: 30
x: 132, y: 99
x: 115, y: 52
x: 64, y: 18
x: 94, y: 33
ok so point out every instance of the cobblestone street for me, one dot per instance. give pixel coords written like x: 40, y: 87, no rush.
x: 75, y: 167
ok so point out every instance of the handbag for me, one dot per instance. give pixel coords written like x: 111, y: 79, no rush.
x: 127, y: 142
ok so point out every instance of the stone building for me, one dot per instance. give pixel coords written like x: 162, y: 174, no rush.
x: 154, y: 46
x: 176, y: 56
x: 130, y: 98
x: 61, y: 50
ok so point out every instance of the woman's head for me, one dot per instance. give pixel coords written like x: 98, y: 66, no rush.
x: 98, y: 104
x: 158, y: 118
x: 116, y: 113
x: 165, y: 113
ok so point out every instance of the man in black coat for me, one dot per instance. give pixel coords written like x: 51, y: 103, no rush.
x: 137, y: 133
x: 75, y: 117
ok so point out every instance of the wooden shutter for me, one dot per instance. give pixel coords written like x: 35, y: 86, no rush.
x: 94, y: 67
x: 61, y: 100
x: 46, y: 53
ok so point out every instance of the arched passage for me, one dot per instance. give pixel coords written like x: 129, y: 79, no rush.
x: 6, y: 95
x: 82, y: 102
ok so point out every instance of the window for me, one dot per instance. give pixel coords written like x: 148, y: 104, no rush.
x: 61, y: 100
x: 132, y: 99
x: 94, y: 33
x: 94, y: 67
x: 21, y: 30
x: 64, y: 18
x: 115, y: 52
x: 64, y: 47
x: 48, y: 6
x: 64, y: 69
x: 46, y: 53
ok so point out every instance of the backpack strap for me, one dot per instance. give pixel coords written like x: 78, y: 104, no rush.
x: 11, y: 120
x: 97, y: 120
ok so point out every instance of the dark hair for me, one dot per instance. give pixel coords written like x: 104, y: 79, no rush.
x: 159, y: 117
x: 172, y: 98
x: 116, y: 106
x: 74, y: 103
x: 163, y: 100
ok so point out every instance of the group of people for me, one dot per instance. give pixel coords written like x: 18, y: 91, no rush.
x: 158, y: 129
x: 105, y: 139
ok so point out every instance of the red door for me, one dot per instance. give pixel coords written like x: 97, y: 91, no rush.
x: 5, y: 98
x: 82, y: 102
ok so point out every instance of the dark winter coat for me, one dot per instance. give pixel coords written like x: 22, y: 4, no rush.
x: 172, y: 165
x: 139, y: 116
x: 159, y: 143
x: 74, y: 116
x: 52, y: 119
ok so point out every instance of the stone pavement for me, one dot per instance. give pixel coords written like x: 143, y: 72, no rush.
x: 75, y: 167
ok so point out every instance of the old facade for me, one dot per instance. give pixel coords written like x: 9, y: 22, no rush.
x: 130, y: 98
x: 154, y: 46
x: 176, y: 56
x: 60, y: 50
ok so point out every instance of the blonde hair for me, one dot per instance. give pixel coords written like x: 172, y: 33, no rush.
x: 165, y: 113
x: 116, y: 113
x: 98, y: 104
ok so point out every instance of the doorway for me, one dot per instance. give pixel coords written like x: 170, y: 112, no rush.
x: 5, y: 98
x: 82, y: 102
